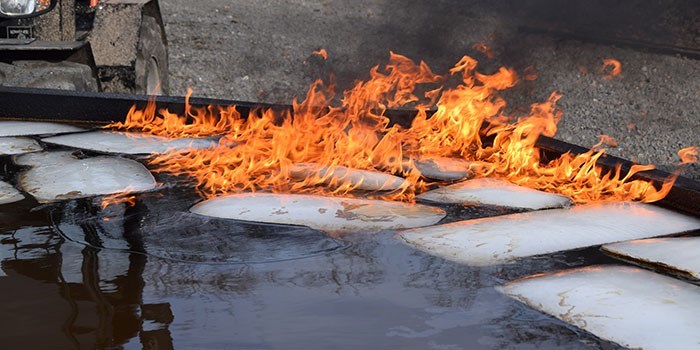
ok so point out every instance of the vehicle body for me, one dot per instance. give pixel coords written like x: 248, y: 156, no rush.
x: 113, y: 46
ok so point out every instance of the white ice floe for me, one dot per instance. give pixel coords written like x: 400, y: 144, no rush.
x: 486, y: 191
x: 9, y: 194
x: 332, y: 214
x: 495, y: 240
x: 679, y: 254
x: 127, y: 142
x: 443, y: 168
x: 18, y: 145
x: 359, y: 179
x: 23, y: 128
x: 56, y: 176
x: 44, y: 159
x: 635, y: 308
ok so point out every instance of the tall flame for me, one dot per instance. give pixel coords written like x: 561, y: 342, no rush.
x: 468, y: 122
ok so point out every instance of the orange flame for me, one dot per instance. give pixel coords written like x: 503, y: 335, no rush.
x: 606, y: 140
x: 485, y: 46
x: 125, y: 197
x: 688, y: 155
x: 259, y: 152
x: 611, y: 68
x: 195, y: 122
x: 529, y: 73
x: 322, y: 53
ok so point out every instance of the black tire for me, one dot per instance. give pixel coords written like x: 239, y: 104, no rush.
x: 151, y: 65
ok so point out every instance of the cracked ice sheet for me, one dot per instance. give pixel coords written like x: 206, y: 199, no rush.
x: 500, y: 239
x: 8, y: 194
x: 486, y: 191
x: 677, y: 255
x: 359, y: 179
x: 21, y: 128
x: 18, y: 145
x: 57, y: 176
x: 630, y: 306
x: 128, y: 142
x: 443, y: 168
x: 331, y: 214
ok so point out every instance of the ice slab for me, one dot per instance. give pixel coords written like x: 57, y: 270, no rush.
x: 20, y: 128
x: 127, y: 142
x: 500, y: 239
x: 331, y: 214
x: 443, y: 168
x: 486, y: 191
x: 635, y: 308
x: 8, y: 194
x: 677, y: 255
x: 56, y: 176
x: 18, y: 145
x: 359, y: 179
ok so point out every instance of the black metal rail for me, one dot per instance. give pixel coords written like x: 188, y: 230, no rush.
x: 102, y: 108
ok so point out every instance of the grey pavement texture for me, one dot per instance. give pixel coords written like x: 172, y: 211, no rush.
x: 262, y: 51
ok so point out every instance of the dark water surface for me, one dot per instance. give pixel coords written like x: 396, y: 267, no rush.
x: 154, y: 276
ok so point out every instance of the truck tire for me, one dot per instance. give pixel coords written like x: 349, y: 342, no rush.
x: 151, y: 65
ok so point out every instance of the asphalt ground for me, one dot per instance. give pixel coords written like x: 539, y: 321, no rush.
x: 262, y: 51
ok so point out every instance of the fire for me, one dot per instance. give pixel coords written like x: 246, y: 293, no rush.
x: 125, y: 197
x: 468, y: 121
x: 688, y: 155
x: 606, y: 140
x: 322, y: 53
x: 529, y: 73
x: 483, y: 48
x: 195, y: 122
x: 611, y: 68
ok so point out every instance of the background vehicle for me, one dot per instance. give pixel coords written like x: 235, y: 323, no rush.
x: 112, y: 46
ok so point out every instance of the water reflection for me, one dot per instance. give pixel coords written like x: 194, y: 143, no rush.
x: 164, y: 228
x: 374, y: 292
x: 63, y: 295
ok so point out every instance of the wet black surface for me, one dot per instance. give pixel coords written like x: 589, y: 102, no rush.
x: 154, y: 276
x: 177, y: 234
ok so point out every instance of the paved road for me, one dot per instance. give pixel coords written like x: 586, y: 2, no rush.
x: 262, y: 51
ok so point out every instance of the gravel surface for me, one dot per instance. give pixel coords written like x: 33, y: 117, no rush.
x: 262, y: 51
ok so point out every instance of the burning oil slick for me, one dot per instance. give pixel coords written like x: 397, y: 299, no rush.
x: 137, y: 265
x: 458, y: 115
